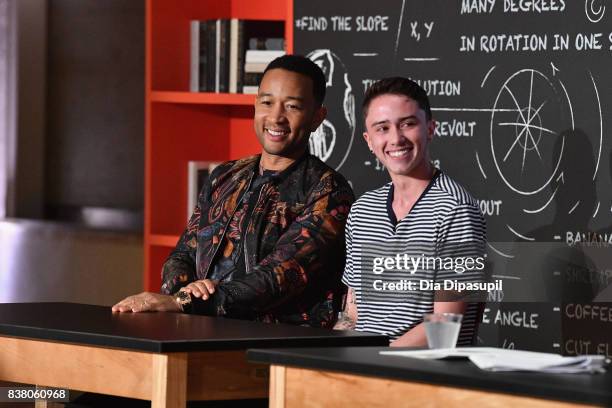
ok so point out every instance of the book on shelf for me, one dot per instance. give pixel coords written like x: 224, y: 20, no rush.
x: 194, y: 56
x: 253, y: 78
x: 258, y: 60
x: 255, y: 67
x: 236, y: 62
x: 263, y: 43
x: 263, y: 55
x: 223, y: 55
x: 211, y: 41
x: 219, y: 48
x: 250, y: 89
x: 251, y: 82
x: 197, y: 174
x: 198, y: 56
x: 218, y: 54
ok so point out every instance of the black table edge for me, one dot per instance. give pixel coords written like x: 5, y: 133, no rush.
x: 169, y: 346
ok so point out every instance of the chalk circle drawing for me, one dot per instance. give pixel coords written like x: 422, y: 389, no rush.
x: 527, y: 130
x: 594, y: 12
x: 333, y: 140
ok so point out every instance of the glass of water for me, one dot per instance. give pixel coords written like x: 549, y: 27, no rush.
x: 442, y: 329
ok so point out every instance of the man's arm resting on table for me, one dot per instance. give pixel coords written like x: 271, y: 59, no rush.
x: 147, y: 302
x: 348, y: 316
x: 416, y: 337
x: 155, y: 302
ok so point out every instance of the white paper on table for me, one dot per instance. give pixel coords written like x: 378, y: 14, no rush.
x: 498, y: 359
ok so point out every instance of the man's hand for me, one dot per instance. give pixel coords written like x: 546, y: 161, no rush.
x: 416, y: 337
x: 202, y: 288
x: 147, y: 302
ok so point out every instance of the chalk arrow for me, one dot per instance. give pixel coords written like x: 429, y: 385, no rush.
x: 561, y: 178
x: 555, y: 69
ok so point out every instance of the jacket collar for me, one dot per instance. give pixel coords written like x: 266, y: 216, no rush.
x: 247, y: 167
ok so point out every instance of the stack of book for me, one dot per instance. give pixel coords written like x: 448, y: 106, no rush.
x: 222, y: 53
x: 255, y: 62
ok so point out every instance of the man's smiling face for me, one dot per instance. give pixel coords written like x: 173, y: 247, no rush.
x: 398, y: 133
x: 286, y: 113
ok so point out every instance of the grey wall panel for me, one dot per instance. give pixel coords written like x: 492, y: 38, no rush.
x: 95, y: 140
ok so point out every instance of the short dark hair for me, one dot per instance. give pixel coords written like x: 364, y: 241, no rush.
x: 397, y: 86
x: 304, y: 66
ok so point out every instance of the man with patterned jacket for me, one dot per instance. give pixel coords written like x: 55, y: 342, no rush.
x: 266, y: 240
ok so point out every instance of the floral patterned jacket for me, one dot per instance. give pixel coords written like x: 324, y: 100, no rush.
x: 293, y: 245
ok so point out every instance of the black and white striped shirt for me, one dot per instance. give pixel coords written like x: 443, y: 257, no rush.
x: 444, y: 213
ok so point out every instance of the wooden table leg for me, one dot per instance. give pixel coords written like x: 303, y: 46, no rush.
x: 225, y: 375
x: 47, y: 404
x: 277, y: 386
x: 169, y: 381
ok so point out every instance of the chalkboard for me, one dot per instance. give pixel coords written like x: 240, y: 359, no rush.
x: 522, y: 94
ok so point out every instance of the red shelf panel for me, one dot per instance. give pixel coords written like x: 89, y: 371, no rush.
x: 203, y: 98
x: 163, y: 240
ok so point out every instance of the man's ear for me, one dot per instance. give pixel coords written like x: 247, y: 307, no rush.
x: 318, y: 118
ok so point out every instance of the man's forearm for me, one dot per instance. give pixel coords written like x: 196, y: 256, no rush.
x: 348, y: 317
x: 414, y: 337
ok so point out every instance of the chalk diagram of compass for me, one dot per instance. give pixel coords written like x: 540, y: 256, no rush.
x: 531, y: 116
x: 333, y: 139
x: 523, y: 132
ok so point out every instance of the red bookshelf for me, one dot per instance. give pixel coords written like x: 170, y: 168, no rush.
x: 181, y: 126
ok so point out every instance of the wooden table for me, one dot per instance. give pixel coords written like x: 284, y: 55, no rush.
x: 167, y: 358
x: 361, y: 377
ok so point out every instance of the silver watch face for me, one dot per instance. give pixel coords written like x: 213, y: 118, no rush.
x: 183, y: 298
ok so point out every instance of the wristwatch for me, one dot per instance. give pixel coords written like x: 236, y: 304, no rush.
x: 184, y: 300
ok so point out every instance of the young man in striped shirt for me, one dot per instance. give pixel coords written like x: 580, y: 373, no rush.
x: 422, y: 212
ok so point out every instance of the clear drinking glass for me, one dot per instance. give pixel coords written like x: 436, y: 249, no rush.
x: 442, y: 329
